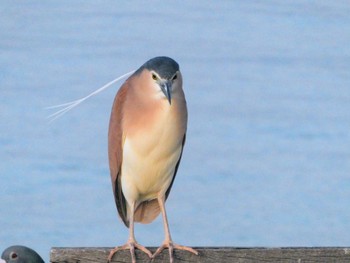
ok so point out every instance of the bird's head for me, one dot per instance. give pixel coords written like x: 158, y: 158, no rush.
x: 20, y: 254
x: 164, y: 76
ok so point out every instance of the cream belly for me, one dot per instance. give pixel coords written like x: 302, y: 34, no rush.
x: 149, y: 160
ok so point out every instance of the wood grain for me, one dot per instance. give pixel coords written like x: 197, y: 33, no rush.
x: 209, y: 254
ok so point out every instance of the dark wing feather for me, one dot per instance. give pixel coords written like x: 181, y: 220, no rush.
x: 176, y: 167
x: 115, y: 152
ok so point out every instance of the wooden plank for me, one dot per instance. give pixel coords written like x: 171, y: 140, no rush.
x: 209, y: 255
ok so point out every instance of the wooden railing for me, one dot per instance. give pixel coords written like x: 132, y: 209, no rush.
x: 209, y: 254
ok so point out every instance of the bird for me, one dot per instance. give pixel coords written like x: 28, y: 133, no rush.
x: 146, y: 137
x: 20, y: 254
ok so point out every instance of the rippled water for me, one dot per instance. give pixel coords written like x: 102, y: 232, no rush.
x: 267, y: 156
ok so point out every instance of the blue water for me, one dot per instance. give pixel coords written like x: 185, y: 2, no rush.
x: 267, y: 158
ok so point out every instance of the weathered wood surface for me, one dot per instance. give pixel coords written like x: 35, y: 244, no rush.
x: 209, y: 254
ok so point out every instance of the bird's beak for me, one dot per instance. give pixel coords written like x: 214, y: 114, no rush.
x: 166, y: 88
x: 2, y: 261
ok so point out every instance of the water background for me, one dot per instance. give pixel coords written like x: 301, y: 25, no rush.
x: 267, y: 158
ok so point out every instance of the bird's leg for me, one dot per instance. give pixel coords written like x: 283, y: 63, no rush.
x: 168, y: 242
x: 131, y: 244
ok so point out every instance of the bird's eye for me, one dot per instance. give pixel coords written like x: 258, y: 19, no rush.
x: 175, y: 77
x: 13, y: 255
x: 154, y: 77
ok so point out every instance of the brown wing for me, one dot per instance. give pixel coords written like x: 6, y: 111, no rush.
x: 115, y: 151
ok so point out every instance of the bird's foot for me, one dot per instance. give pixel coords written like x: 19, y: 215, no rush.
x: 131, y: 245
x: 171, y: 246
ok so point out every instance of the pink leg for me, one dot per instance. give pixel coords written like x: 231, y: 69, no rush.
x: 168, y: 243
x: 131, y: 244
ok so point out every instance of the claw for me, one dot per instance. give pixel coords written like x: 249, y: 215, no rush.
x: 131, y: 246
x: 171, y: 246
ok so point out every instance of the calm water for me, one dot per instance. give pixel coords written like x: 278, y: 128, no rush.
x: 267, y: 158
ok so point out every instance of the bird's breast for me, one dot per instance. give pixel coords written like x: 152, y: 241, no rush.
x: 151, y: 150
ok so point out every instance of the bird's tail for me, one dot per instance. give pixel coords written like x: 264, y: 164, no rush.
x: 147, y: 211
